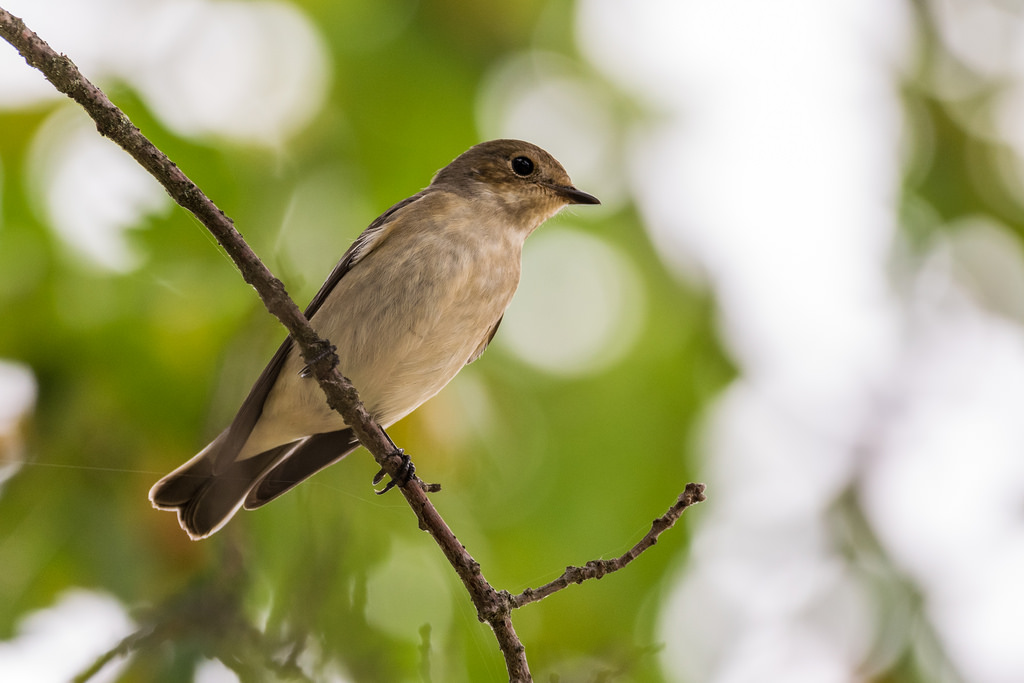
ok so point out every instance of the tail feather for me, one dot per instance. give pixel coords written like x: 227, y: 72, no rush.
x: 308, y: 458
x: 208, y: 489
x: 181, y: 485
x: 205, y: 498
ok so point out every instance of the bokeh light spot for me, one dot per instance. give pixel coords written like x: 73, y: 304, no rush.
x: 90, y: 191
x: 254, y: 72
x: 580, y: 304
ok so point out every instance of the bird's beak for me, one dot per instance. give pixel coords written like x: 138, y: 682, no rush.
x: 574, y: 196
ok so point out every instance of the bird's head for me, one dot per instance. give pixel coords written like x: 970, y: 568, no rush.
x: 514, y: 176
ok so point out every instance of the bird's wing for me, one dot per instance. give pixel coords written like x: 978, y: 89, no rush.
x: 364, y: 244
x: 484, y: 342
x: 247, y: 416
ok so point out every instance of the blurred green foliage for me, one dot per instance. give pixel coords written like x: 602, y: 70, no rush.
x: 138, y: 370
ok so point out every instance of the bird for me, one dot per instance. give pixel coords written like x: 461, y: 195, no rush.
x: 417, y: 296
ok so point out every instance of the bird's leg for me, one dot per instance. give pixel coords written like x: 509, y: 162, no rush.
x: 406, y: 471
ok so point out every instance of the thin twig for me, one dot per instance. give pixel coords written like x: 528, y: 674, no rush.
x: 425, y: 676
x: 595, y: 569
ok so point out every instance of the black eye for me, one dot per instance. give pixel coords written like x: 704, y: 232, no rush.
x: 522, y: 166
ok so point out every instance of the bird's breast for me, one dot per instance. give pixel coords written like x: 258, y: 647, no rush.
x: 411, y: 314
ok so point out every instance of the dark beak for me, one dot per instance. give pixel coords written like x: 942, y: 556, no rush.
x: 574, y: 196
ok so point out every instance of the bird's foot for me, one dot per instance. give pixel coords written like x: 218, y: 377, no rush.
x: 406, y: 473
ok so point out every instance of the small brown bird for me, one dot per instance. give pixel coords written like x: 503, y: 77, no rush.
x: 418, y: 295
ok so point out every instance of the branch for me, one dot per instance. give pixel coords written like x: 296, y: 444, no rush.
x: 493, y: 607
x: 595, y: 569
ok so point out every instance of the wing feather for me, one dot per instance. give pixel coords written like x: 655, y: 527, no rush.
x: 486, y: 340
x: 247, y: 416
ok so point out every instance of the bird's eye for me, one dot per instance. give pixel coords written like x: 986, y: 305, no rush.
x: 522, y: 166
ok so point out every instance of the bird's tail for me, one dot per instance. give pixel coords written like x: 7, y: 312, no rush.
x: 309, y: 457
x: 206, y: 496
